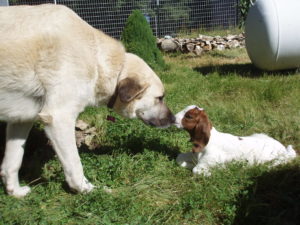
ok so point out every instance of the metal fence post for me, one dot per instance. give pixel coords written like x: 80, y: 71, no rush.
x: 4, y: 3
x: 157, y: 22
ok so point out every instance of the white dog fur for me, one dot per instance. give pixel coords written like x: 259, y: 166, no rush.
x: 52, y: 65
x: 224, y: 147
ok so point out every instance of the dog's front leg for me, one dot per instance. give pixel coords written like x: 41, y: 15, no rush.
x: 61, y: 131
x: 202, y: 169
x: 187, y: 160
x: 205, y: 161
x: 16, y: 135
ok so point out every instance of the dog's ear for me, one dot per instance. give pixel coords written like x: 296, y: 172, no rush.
x: 201, y: 133
x: 129, y: 88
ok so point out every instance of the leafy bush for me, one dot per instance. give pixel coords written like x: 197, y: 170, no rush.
x: 244, y: 6
x: 138, y: 38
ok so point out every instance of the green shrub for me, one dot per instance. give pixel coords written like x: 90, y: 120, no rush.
x: 138, y: 39
x: 244, y: 6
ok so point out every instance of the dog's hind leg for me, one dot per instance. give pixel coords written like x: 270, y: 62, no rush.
x: 16, y: 135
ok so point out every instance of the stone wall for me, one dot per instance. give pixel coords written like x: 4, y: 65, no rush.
x: 201, y: 44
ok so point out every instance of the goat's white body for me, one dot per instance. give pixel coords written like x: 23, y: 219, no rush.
x: 224, y: 147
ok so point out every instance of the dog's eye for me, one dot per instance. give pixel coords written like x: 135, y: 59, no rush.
x: 196, y: 145
x: 188, y: 116
x: 160, y: 98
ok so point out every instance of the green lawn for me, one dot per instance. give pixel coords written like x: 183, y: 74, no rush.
x: 138, y: 162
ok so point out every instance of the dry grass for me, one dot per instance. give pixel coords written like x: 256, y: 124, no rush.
x: 236, y: 56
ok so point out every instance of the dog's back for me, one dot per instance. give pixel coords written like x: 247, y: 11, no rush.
x: 21, y: 22
x: 255, y: 148
x: 31, y: 39
x: 47, y: 45
x: 262, y: 148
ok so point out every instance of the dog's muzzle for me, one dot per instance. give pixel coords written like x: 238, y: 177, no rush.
x: 164, y: 122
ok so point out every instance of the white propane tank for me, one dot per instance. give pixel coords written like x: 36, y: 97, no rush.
x: 273, y: 34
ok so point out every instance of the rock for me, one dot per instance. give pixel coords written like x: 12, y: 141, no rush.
x: 91, y: 130
x: 205, y: 37
x: 198, y: 50
x: 235, y: 44
x: 85, y: 135
x: 88, y: 140
x: 220, y: 47
x: 201, y: 43
x: 190, y: 47
x: 207, y: 47
x: 79, y: 138
x: 214, y: 45
x: 81, y: 125
x: 168, y: 45
x: 230, y: 37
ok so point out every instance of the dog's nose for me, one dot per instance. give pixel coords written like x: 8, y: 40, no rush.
x: 173, y: 119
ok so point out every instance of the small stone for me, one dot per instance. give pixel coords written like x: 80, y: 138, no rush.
x: 81, y: 125
x: 190, y: 47
x: 198, y: 50
x: 230, y: 37
x: 88, y: 141
x: 220, y: 47
x: 91, y: 130
x: 235, y: 44
x: 207, y: 47
x: 168, y: 45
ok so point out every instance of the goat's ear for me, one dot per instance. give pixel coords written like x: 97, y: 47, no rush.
x: 129, y: 88
x: 201, y: 135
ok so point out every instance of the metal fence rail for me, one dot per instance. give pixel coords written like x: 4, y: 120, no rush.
x: 166, y: 17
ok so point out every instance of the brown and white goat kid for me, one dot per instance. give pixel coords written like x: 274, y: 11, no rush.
x: 211, y: 147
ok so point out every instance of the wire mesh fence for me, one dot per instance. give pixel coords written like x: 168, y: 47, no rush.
x: 166, y: 17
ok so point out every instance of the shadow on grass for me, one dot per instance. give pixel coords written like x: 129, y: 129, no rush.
x: 38, y: 151
x: 244, y: 70
x: 274, y: 199
x: 135, y: 144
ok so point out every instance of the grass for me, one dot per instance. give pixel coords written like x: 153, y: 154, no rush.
x: 138, y: 162
x: 210, y: 32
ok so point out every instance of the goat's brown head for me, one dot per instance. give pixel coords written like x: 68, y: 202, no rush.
x: 195, y: 121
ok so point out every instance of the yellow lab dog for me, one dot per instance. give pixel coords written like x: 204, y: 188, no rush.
x: 53, y: 65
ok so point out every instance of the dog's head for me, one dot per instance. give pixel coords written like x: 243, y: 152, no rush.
x: 195, y: 121
x: 140, y: 94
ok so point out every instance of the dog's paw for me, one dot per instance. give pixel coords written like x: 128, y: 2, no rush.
x: 88, y: 187
x: 186, y: 160
x: 201, y: 171
x: 19, y: 192
x: 81, y: 187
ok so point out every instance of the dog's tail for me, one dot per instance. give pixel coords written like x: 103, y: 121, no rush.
x: 285, y: 157
x: 291, y: 153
